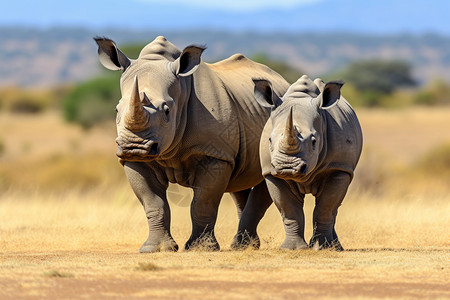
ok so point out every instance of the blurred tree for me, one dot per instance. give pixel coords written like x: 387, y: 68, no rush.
x: 289, y: 73
x: 379, y: 76
x: 373, y: 80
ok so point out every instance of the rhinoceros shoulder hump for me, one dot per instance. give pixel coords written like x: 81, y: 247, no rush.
x: 159, y: 48
x: 233, y: 62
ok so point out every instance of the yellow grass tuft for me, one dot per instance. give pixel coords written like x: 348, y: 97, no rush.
x: 147, y: 266
x: 54, y: 273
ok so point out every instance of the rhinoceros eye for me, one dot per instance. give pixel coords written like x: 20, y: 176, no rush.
x: 313, y: 142
x: 166, y: 110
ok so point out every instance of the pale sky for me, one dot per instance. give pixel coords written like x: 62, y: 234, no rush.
x: 237, y: 5
x: 368, y: 16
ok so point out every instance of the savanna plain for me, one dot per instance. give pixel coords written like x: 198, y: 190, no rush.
x: 70, y: 226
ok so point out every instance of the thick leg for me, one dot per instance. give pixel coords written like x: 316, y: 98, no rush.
x: 328, y: 200
x: 208, y: 191
x: 151, y: 192
x: 289, y: 201
x: 258, y: 202
x: 240, y: 199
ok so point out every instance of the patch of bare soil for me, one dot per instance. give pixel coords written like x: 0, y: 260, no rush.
x: 264, y: 274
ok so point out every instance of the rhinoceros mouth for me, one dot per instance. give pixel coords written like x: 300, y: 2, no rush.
x: 144, y: 150
x: 286, y: 166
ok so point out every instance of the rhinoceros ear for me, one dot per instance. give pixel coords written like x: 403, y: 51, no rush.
x: 320, y: 84
x: 265, y: 95
x: 330, y: 94
x: 110, y: 56
x: 188, y: 61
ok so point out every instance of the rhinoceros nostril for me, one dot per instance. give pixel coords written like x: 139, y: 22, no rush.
x: 154, y: 149
x: 303, y: 169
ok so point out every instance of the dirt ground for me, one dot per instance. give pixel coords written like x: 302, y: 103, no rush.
x: 264, y: 274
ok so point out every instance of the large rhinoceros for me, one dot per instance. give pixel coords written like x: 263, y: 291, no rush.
x: 184, y: 121
x: 310, y: 144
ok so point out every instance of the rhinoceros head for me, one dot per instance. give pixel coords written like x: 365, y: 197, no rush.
x: 297, y: 134
x: 155, y: 88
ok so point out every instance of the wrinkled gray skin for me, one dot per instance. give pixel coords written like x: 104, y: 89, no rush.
x: 310, y: 144
x: 184, y: 121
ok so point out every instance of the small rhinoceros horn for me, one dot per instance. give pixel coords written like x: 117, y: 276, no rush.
x: 290, y: 143
x: 136, y: 117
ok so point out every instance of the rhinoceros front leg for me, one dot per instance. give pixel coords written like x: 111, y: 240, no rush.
x: 328, y: 200
x: 211, y: 180
x: 289, y: 202
x: 151, y: 192
x: 258, y: 202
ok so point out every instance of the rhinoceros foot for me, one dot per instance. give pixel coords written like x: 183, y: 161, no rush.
x: 166, y: 245
x: 319, y: 244
x: 242, y: 241
x: 205, y: 242
x: 294, y: 243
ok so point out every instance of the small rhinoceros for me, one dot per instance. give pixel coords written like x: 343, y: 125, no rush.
x: 310, y: 144
x: 183, y: 121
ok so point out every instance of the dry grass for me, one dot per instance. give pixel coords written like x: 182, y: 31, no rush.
x: 405, y: 134
x: 393, y: 249
x: 62, y: 240
x: 90, y: 223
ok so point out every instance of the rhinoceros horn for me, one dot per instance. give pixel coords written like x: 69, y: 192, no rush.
x: 289, y: 142
x: 136, y: 117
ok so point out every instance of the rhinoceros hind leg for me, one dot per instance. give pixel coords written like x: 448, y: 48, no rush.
x: 257, y: 203
x: 317, y: 244
x: 335, y: 243
x: 243, y: 240
x: 240, y: 199
x: 205, y: 242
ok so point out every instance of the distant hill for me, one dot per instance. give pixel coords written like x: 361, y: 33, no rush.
x: 33, y: 57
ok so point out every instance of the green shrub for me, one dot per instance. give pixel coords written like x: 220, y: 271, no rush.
x: 93, y: 101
